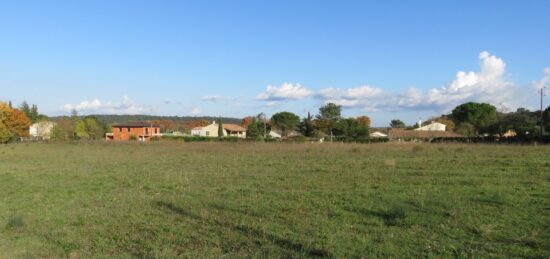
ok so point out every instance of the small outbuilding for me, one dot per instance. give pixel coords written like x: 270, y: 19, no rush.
x: 41, y: 130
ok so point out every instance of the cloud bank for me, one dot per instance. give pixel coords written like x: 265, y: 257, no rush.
x: 283, y: 92
x: 489, y: 84
x: 98, y: 107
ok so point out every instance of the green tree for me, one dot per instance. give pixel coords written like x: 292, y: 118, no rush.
x: 353, y: 129
x: 306, y: 126
x: 24, y: 107
x: 285, y: 121
x: 5, y: 134
x: 90, y: 128
x: 57, y: 133
x: 522, y: 122
x: 328, y: 118
x: 253, y: 131
x: 397, y: 123
x: 546, y: 120
x: 465, y: 129
x: 480, y: 115
x: 220, y: 128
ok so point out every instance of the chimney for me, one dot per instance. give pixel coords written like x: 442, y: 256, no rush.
x: 214, y: 122
x: 419, y: 123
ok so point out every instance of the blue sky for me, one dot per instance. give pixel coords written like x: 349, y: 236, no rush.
x: 384, y: 59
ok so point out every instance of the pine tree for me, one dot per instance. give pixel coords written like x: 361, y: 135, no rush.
x: 34, y: 113
x: 220, y: 128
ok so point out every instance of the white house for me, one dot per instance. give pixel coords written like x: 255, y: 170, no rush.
x: 434, y: 126
x: 378, y: 134
x: 41, y: 129
x: 274, y: 134
x: 212, y: 130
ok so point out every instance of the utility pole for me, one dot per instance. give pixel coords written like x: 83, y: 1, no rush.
x: 541, y: 111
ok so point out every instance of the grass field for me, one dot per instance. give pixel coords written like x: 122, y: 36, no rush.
x: 273, y: 200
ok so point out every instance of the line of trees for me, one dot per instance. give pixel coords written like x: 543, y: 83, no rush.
x: 327, y: 123
x: 76, y: 127
x: 482, y: 119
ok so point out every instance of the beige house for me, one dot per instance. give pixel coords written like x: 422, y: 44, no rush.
x: 434, y: 126
x: 42, y: 129
x: 211, y: 130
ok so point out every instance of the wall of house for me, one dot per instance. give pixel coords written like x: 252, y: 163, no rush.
x: 208, y: 131
x: 126, y: 133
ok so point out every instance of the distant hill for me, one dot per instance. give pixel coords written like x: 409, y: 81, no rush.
x: 112, y: 119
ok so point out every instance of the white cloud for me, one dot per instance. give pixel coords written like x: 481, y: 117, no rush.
x: 97, y: 107
x: 195, y: 111
x: 285, y: 91
x: 489, y: 84
x: 544, y: 81
x: 215, y: 98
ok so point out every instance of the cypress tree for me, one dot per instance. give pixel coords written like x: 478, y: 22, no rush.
x: 220, y: 128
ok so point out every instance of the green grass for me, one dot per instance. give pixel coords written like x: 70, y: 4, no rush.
x: 273, y: 200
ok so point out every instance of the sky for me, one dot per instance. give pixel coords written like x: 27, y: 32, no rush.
x: 409, y: 60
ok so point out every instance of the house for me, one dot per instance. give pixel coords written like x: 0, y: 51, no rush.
x: 274, y: 134
x: 142, y: 131
x: 41, y: 130
x: 419, y: 135
x: 211, y: 130
x: 378, y: 134
x: 434, y: 126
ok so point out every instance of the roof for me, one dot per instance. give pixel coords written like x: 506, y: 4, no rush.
x: 136, y: 124
x: 401, y: 133
x: 197, y: 128
x: 233, y: 127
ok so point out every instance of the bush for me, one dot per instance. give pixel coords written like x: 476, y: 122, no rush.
x: 201, y: 138
x: 133, y: 137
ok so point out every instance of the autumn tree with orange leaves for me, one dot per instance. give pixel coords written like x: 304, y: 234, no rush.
x: 19, y: 123
x: 13, y: 123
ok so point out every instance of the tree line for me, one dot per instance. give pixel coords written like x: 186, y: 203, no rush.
x: 327, y: 123
x: 474, y: 119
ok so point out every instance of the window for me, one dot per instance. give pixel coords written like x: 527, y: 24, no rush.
x: 128, y: 129
x: 208, y: 133
x: 156, y: 130
x: 146, y: 131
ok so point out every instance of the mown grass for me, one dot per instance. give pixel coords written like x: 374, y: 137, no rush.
x: 273, y: 200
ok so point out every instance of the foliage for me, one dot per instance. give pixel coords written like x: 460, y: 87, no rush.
x: 220, y: 128
x: 18, y: 123
x: 14, y: 123
x: 285, y: 121
x: 90, y: 128
x: 353, y: 129
x: 480, y: 115
x: 257, y: 128
x: 397, y: 123
x: 449, y: 124
x: 57, y: 133
x: 307, y: 127
x: 5, y: 134
x: 328, y: 117
x: 465, y: 129
x: 246, y: 121
x: 364, y: 121
x: 186, y: 138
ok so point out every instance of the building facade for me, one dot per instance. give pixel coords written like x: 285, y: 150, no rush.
x: 141, y: 131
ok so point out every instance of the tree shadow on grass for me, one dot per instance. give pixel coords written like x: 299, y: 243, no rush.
x: 392, y: 217
x: 250, y: 232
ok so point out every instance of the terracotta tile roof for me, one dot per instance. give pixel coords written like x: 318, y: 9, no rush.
x: 418, y: 134
x: 233, y: 127
x: 136, y: 124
